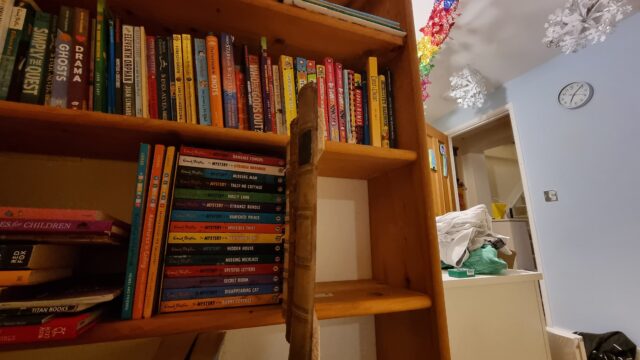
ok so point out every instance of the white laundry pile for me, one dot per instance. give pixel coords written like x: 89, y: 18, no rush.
x: 461, y: 232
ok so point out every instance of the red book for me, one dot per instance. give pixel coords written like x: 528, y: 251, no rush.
x: 13, y: 212
x: 151, y: 77
x: 79, y: 79
x: 221, y: 270
x: 59, y: 328
x: 332, y: 104
x: 231, y: 156
x: 63, y: 226
x: 207, y: 227
x: 243, y: 121
x: 147, y: 231
x: 342, y: 115
x: 272, y: 98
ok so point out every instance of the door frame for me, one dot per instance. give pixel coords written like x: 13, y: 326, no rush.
x: 483, y: 120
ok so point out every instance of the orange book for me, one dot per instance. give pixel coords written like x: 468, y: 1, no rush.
x: 159, y: 233
x: 147, y: 231
x: 219, y: 302
x: 215, y: 88
x: 243, y: 122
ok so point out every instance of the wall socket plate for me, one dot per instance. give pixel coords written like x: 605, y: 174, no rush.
x: 550, y: 195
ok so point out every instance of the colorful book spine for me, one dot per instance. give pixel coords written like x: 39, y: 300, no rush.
x: 57, y: 226
x: 159, y: 234
x: 152, y: 76
x: 128, y: 71
x: 232, y: 156
x: 257, y: 111
x: 288, y: 90
x: 218, y: 164
x: 36, y: 67
x: 373, y: 87
x: 226, y: 217
x: 201, y: 183
x: 322, y: 99
x: 281, y: 127
x: 217, y: 227
x: 226, y: 259
x: 227, y: 195
x: 221, y: 270
x: 100, y: 60
x: 366, y: 129
x: 384, y: 115
x: 138, y: 78
x: 342, y: 119
x: 60, y: 328
x: 79, y: 73
x: 217, y: 303
x: 172, y: 79
x: 301, y: 73
x: 347, y: 104
x: 148, y: 228
x: 184, y: 283
x: 224, y: 238
x: 229, y: 91
x: 357, y: 97
x: 144, y: 84
x: 202, y: 81
x: 137, y: 216
x: 230, y: 175
x: 6, y: 7
x: 352, y: 108
x: 217, y: 291
x: 243, y: 102
x: 393, y: 142
x: 118, y: 66
x: 181, y: 115
x: 17, y: 77
x: 189, y: 204
x: 12, y: 212
x: 312, y: 71
x: 64, y: 54
x: 272, y: 97
x: 213, y: 70
x: 111, y: 64
x: 162, y: 72
x: 332, y: 101
x: 50, y: 60
x: 266, y: 94
x: 223, y: 249
x: 189, y: 85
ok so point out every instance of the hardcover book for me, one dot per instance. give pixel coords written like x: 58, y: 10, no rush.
x: 92, y: 56
x: 36, y: 67
x: 79, y: 73
x: 32, y: 226
x: 272, y: 98
x: 365, y: 111
x: 202, y: 81
x: 63, y: 58
x: 350, y: 86
x: 215, y: 88
x: 144, y: 73
x: 229, y: 91
x: 311, y: 71
x: 13, y: 212
x: 6, y: 7
x: 111, y: 63
x: 118, y: 66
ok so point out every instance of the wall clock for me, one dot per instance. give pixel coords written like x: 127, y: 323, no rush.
x: 575, y: 94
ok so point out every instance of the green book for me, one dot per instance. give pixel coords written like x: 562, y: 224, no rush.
x: 227, y: 195
x: 36, y: 68
x: 16, y: 43
x: 100, y: 61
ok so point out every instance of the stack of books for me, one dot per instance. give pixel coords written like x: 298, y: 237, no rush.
x: 41, y: 298
x: 72, y: 60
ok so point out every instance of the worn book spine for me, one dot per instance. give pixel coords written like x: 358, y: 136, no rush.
x: 62, y: 61
x: 191, y: 112
x: 281, y: 126
x: 128, y: 71
x: 78, y: 80
x: 56, y: 226
x: 203, y: 183
x: 137, y: 71
x: 218, y: 303
x: 162, y: 72
x: 218, y: 291
x: 17, y: 77
x: 373, y: 88
x: 227, y: 195
x: 152, y: 77
x: 384, y: 115
x: 202, y: 81
x: 227, y: 217
x: 226, y: 259
x: 289, y: 100
x: 178, y: 70
x: 191, y: 204
x: 352, y: 107
x: 230, y: 175
x: 218, y: 227
x: 366, y: 129
x: 184, y: 283
x: 257, y: 106
x: 229, y: 91
x: 223, y: 238
x: 243, y: 102
x: 347, y: 104
x: 36, y: 67
x: 232, y: 156
x: 215, y: 87
x: 62, y: 328
x: 218, y: 164
x: 50, y: 60
x: 357, y: 96
x: 118, y: 109
x: 144, y: 74
x: 12, y: 212
x: 221, y: 270
x: 392, y: 120
x: 322, y: 98
x: 332, y: 101
x: 6, y: 7
x: 301, y: 73
x: 111, y: 64
x: 264, y: 81
x: 100, y: 60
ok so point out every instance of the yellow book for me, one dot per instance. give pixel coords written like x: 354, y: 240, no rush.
x: 288, y: 90
x: 159, y: 233
x: 383, y: 112
x: 31, y: 277
x: 374, y: 101
x: 143, y: 66
x: 189, y: 84
x: 179, y: 78
x: 236, y: 238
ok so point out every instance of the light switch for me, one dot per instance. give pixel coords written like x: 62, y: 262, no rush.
x: 550, y: 195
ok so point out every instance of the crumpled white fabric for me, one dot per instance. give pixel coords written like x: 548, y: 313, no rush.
x: 460, y: 232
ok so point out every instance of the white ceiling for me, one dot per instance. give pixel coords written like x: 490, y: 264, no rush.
x: 500, y: 38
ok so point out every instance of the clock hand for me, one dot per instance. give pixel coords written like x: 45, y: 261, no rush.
x: 574, y: 94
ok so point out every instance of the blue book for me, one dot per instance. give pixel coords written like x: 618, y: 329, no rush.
x: 347, y: 111
x: 229, y: 91
x: 365, y: 111
x: 217, y: 291
x: 227, y: 217
x: 202, y: 81
x: 137, y: 219
x: 111, y: 67
x: 230, y: 175
x: 208, y: 281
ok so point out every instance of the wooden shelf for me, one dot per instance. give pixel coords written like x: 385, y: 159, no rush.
x: 47, y: 130
x: 333, y: 300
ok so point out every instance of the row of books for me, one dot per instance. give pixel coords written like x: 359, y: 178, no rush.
x: 42, y: 296
x: 207, y: 231
x: 71, y: 60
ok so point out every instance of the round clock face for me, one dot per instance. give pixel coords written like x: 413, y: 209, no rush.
x: 575, y: 94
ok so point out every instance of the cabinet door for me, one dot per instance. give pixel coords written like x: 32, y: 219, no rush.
x: 442, y: 184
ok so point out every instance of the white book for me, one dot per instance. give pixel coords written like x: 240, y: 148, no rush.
x: 137, y: 63
x: 6, y: 7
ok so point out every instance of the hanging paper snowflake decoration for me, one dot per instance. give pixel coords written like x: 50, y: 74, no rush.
x: 468, y: 88
x: 583, y: 21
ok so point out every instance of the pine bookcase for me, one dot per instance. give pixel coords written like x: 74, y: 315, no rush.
x: 405, y: 293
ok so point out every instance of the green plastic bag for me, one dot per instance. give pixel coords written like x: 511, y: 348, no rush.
x: 485, y: 261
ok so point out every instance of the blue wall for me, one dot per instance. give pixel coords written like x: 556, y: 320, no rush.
x: 590, y: 239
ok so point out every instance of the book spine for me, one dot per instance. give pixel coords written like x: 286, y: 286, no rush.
x: 6, y: 7
x: 162, y: 72
x: 50, y: 60
x: 92, y: 55
x: 226, y: 217
x: 172, y: 78
x: 347, y: 104
x: 189, y: 204
x: 366, y: 129
x: 288, y: 90
x: 8, y: 212
x: 118, y: 67
x: 147, y: 231
x: 56, y: 329
x: 277, y: 98
x: 221, y: 270
x: 393, y: 142
x: 202, y: 81
x: 181, y: 114
x: 159, y: 234
x: 247, y: 86
x: 217, y: 291
x: 257, y: 120
x: 111, y: 64
x: 384, y: 131
x: 99, y: 67
x: 332, y: 101
x: 359, y: 123
x: 25, y: 320
x: 311, y: 71
x: 7, y: 62
x: 243, y: 121
x: 266, y: 94
x: 301, y: 73
x: 229, y: 91
x: 272, y: 97
x: 230, y: 175
x: 152, y: 77
x: 212, y: 227
x: 232, y: 156
x: 227, y: 195
x: 78, y: 80
x: 144, y: 74
x: 55, y: 226
x: 200, y: 183
x: 137, y: 67
x: 322, y: 99
x: 342, y: 130
x: 230, y: 165
x: 128, y: 70
x: 189, y: 88
x: 16, y: 256
x: 213, y: 71
x: 64, y: 54
x: 226, y: 259
x: 352, y: 108
x: 35, y: 69
x: 184, y: 283
x: 217, y: 303
x: 373, y: 83
x: 223, y: 238
x: 137, y: 216
x: 223, y: 249
x: 17, y: 78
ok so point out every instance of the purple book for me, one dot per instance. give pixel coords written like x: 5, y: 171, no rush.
x: 111, y: 227
x: 192, y: 282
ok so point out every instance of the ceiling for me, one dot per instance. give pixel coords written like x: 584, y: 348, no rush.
x: 502, y: 39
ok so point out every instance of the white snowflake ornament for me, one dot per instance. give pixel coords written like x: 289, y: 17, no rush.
x: 469, y: 88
